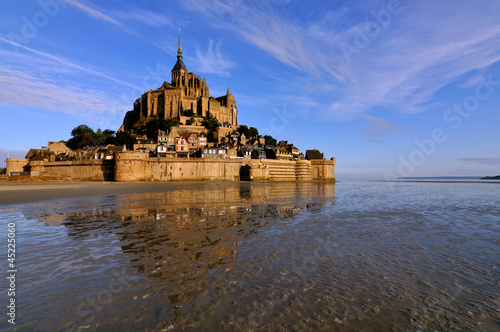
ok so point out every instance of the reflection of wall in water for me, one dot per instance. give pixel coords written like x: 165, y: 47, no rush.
x: 227, y: 193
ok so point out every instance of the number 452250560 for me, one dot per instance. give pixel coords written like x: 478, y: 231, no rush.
x: 11, y: 245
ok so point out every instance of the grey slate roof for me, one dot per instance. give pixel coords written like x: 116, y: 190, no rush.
x: 313, y: 155
x: 179, y: 65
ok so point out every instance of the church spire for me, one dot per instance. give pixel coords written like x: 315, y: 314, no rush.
x: 179, y: 64
x: 179, y: 48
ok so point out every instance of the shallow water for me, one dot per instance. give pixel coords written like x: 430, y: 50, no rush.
x: 262, y: 257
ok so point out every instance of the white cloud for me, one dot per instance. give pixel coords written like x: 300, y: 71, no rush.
x: 212, y: 61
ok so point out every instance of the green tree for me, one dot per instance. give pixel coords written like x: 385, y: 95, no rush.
x: 100, y: 137
x: 189, y: 113
x: 82, y: 140
x: 211, y: 138
x: 81, y: 129
x: 108, y: 132
x: 253, y: 132
x: 124, y: 138
x: 109, y: 136
x: 270, y: 140
x: 138, y: 127
x: 210, y: 122
x: 242, y: 129
x: 150, y: 128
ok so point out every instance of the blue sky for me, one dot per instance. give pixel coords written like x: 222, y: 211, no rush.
x: 389, y: 88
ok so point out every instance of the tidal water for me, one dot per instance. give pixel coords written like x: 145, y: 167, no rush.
x: 230, y: 256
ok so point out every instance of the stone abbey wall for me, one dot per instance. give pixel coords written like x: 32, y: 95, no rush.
x: 83, y: 170
x: 137, y: 166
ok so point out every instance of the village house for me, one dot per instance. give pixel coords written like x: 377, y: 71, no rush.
x: 232, y: 153
x: 243, y: 139
x: 193, y: 143
x: 182, y: 147
x: 295, y: 151
x: 244, y: 152
x: 258, y: 154
x: 211, y: 152
x: 161, y: 150
x: 162, y: 137
x: 108, y: 152
x: 147, y: 145
x: 202, y: 141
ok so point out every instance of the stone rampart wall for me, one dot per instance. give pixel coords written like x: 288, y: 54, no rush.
x: 16, y: 165
x: 136, y: 166
x: 323, y: 169
x: 84, y: 170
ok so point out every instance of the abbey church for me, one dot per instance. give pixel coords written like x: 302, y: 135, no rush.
x: 186, y: 91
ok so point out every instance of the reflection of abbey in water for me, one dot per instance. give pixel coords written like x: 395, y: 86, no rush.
x: 183, y: 236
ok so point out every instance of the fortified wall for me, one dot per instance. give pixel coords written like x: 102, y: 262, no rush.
x: 138, y: 166
x: 82, y: 170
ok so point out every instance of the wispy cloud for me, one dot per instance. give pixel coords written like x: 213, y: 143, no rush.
x: 68, y: 63
x: 56, y: 96
x: 100, y: 15
x: 482, y: 161
x: 45, y: 76
x: 426, y: 47
x: 144, y: 17
x: 261, y: 25
x: 212, y: 61
x: 94, y: 13
x: 379, y: 127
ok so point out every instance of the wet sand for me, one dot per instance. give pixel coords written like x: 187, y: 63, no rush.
x: 13, y: 193
x: 265, y: 256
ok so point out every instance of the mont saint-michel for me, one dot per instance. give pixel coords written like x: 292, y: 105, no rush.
x: 177, y: 131
x: 188, y: 183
